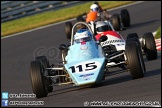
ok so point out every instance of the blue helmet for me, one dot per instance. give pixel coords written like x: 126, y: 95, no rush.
x: 82, y: 35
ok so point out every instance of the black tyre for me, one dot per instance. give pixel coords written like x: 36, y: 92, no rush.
x: 132, y: 35
x: 80, y: 18
x: 37, y: 79
x: 125, y: 18
x: 139, y: 46
x: 116, y: 22
x: 68, y: 29
x: 45, y: 63
x: 149, y: 46
x: 134, y: 60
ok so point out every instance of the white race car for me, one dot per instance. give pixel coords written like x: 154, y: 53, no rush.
x: 115, y: 46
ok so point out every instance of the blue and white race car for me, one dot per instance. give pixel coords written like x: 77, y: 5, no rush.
x: 84, y: 63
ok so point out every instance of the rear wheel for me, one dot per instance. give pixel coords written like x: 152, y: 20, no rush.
x: 134, y: 60
x: 38, y: 79
x: 125, y: 18
x: 68, y: 29
x: 80, y: 18
x: 149, y: 46
x: 116, y: 22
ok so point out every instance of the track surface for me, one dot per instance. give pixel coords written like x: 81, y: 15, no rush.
x: 18, y: 51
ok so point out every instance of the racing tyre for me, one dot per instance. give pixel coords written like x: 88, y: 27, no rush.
x: 125, y: 18
x: 116, y: 22
x: 134, y: 60
x: 68, y: 29
x: 80, y: 18
x: 139, y: 46
x: 149, y: 46
x: 132, y: 35
x: 45, y: 63
x: 37, y: 79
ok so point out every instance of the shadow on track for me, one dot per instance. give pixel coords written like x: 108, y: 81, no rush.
x: 69, y: 89
x: 152, y: 73
x: 107, y: 82
x: 125, y: 78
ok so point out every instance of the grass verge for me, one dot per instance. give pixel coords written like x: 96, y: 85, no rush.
x: 158, y: 34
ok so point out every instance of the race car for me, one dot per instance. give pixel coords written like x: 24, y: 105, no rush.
x: 115, y: 44
x: 83, y: 63
x: 91, y: 17
x: 117, y: 20
x: 146, y: 43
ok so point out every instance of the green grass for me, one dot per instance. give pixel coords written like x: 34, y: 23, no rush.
x: 158, y: 34
x: 50, y: 17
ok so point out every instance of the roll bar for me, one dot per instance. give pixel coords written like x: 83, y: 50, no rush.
x: 73, y: 28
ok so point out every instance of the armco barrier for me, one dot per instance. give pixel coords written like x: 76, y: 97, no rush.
x: 15, y: 9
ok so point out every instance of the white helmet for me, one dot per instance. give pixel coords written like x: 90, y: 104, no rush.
x: 94, y: 7
x: 101, y: 26
x: 82, y: 35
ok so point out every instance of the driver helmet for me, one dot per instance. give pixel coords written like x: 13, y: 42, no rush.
x: 96, y: 2
x: 94, y: 8
x: 82, y: 35
x: 101, y: 26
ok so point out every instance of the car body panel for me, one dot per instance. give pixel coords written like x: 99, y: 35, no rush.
x: 83, y: 51
x: 86, y: 72
x: 113, y: 38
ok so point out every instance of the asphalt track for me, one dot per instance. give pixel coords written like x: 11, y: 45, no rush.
x: 18, y: 51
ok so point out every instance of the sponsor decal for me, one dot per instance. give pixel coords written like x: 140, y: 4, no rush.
x: 85, y: 75
x: 112, y: 41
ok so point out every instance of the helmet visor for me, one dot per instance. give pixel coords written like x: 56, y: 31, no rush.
x: 82, y: 40
x: 95, y: 9
x: 102, y: 28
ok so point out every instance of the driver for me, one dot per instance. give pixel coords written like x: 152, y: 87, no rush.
x: 80, y: 49
x: 101, y: 29
x: 102, y: 13
x: 100, y: 9
x: 82, y: 36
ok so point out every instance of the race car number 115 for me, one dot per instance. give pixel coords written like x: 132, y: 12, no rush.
x: 84, y: 67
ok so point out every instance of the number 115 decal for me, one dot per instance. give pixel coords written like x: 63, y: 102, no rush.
x: 85, y: 67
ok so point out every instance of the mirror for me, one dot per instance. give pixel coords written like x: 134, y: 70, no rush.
x: 123, y: 28
x: 62, y: 47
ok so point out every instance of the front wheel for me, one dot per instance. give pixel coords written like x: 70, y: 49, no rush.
x: 132, y: 35
x: 38, y: 79
x: 116, y: 22
x: 134, y: 60
x: 45, y: 63
x: 125, y: 17
x: 139, y: 45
